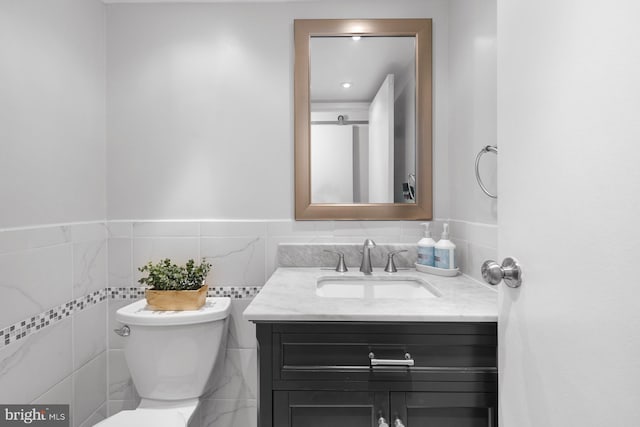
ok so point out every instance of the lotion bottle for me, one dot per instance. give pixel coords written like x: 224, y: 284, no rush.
x: 445, y: 251
x: 426, y: 247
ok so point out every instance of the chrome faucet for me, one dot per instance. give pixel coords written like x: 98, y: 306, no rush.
x: 365, y: 266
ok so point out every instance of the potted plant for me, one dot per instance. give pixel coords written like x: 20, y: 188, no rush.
x: 175, y: 287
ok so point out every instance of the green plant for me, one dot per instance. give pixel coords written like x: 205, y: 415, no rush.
x: 166, y: 276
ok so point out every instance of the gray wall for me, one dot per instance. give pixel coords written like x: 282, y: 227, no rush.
x: 52, y: 112
x: 200, y: 106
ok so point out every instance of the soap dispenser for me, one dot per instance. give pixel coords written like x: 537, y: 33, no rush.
x: 426, y: 247
x: 445, y: 251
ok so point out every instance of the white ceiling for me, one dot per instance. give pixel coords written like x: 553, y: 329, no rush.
x: 364, y: 63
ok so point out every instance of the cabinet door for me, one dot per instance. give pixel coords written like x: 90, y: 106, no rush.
x: 329, y: 408
x: 431, y: 409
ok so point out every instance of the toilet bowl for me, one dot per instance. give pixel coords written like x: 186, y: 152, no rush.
x: 171, y: 356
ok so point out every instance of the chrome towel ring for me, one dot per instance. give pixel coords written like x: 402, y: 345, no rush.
x: 488, y: 148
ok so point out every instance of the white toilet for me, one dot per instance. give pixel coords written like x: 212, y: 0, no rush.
x: 171, y: 356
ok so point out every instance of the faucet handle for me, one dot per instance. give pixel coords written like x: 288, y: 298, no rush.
x: 391, y: 265
x: 341, y: 267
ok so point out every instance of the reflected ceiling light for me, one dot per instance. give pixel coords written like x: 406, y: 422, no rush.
x: 355, y: 38
x: 345, y: 85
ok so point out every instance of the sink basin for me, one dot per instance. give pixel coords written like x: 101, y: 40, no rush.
x: 375, y: 287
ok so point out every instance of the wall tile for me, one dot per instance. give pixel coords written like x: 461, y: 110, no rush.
x: 87, y: 232
x: 61, y: 393
x: 237, y: 261
x: 166, y: 229
x: 475, y: 257
x: 300, y: 228
x: 461, y: 254
x: 89, y: 267
x: 233, y: 228
x: 13, y: 241
x: 154, y: 249
x: 120, y: 383
x: 90, y: 388
x: 33, y: 281
x: 365, y: 229
x: 120, y: 269
x: 44, y: 358
x: 242, y: 333
x: 413, y: 231
x: 240, y: 379
x: 89, y: 333
x: 42, y: 237
x: 99, y: 415
x: 229, y: 413
x: 122, y: 229
x: 480, y: 234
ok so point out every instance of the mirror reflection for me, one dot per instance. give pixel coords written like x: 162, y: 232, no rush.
x: 363, y: 119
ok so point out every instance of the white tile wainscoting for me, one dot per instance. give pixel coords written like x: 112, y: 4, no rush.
x: 61, y: 285
x: 53, y: 317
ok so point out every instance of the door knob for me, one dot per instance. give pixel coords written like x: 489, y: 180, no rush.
x: 510, y: 271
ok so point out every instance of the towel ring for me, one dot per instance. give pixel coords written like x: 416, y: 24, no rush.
x: 488, y: 148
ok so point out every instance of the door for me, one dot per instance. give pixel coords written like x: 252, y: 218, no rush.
x: 329, y: 408
x: 381, y: 145
x: 569, y: 207
x: 331, y: 163
x: 443, y: 409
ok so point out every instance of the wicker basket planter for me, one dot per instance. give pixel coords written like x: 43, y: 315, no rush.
x: 176, y: 300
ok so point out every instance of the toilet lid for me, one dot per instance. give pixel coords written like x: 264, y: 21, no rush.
x: 145, y: 418
x: 139, y: 313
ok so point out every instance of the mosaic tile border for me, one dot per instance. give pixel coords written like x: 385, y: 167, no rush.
x: 24, y: 328
x: 235, y: 292
x: 50, y: 317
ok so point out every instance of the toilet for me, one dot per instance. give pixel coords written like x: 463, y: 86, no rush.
x: 171, y: 356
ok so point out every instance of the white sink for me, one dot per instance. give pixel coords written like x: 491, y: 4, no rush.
x: 375, y: 287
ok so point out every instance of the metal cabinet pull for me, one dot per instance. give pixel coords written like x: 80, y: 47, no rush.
x: 407, y: 361
x: 398, y: 423
x: 382, y: 422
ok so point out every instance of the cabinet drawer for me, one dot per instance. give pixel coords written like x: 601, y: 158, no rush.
x: 450, y: 352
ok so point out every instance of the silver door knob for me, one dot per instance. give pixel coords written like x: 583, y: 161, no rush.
x: 510, y: 271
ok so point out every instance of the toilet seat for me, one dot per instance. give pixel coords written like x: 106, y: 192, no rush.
x: 145, y: 418
x: 154, y: 414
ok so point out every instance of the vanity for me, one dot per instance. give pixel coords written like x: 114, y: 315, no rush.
x: 347, y: 349
x: 337, y: 349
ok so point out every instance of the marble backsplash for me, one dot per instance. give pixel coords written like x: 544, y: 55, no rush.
x: 316, y: 255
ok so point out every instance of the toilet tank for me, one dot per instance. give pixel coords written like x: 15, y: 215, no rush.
x: 171, y: 354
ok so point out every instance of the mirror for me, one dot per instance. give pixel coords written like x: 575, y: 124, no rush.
x: 363, y: 119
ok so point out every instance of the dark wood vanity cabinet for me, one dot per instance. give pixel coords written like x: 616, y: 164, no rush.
x: 321, y: 374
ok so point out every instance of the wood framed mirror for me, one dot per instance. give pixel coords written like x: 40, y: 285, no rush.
x: 363, y: 119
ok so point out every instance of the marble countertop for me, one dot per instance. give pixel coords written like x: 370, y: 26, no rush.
x: 290, y: 295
